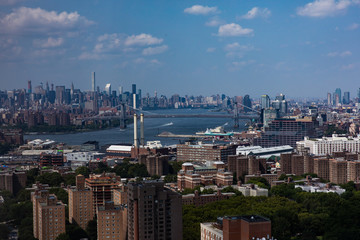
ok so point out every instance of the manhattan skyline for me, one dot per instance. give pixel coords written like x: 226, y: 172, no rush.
x: 300, y: 48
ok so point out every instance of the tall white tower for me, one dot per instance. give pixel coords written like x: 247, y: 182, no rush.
x: 93, y: 85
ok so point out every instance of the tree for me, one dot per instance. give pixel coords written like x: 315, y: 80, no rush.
x: 4, y: 232
x: 63, y: 236
x: 53, y: 179
x: 83, y: 171
x: 170, y: 178
x: 61, y: 194
x: 91, y: 229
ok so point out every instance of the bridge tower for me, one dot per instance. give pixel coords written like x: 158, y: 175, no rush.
x: 236, y: 116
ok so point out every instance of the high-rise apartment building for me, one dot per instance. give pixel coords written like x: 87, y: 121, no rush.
x: 154, y: 212
x: 111, y: 221
x: 81, y: 208
x: 204, y: 152
x: 101, y: 187
x: 48, y: 214
x: 329, y: 145
x: 338, y: 171
x: 321, y: 167
x: 12, y: 181
x: 287, y: 131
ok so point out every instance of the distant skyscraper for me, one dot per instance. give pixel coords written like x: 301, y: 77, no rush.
x: 338, y: 93
x: 121, y: 91
x: 280, y: 97
x: 247, y: 103
x: 29, y: 87
x: 265, y: 101
x: 60, y: 94
x: 108, y: 89
x: 346, y: 99
x: 358, y: 95
x: 336, y: 99
x: 133, y: 89
x: 93, y: 84
x: 329, y: 102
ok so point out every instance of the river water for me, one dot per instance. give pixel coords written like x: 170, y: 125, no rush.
x: 153, y: 126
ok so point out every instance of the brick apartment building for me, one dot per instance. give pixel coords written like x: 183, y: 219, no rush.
x: 237, y: 227
x: 48, y: 214
x: 81, y: 208
x: 191, y: 176
x: 204, y: 152
x: 12, y: 181
x: 111, y: 221
x: 154, y: 212
x: 101, y: 187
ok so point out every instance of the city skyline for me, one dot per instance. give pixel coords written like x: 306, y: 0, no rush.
x: 192, y: 47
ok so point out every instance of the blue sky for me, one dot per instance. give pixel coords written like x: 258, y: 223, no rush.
x: 299, y: 48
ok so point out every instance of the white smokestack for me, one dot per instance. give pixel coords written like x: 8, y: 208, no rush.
x: 135, y: 131
x: 135, y: 122
x: 142, y: 138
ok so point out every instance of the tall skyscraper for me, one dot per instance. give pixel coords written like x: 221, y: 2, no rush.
x: 358, y: 95
x: 247, y: 103
x: 346, y: 99
x: 337, y: 93
x: 60, y: 94
x: 29, y: 87
x: 121, y: 91
x: 93, y: 84
x: 154, y: 212
x: 265, y: 101
x: 329, y: 102
x: 108, y: 89
x: 133, y: 89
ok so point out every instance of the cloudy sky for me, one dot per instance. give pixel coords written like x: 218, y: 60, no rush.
x: 299, y: 48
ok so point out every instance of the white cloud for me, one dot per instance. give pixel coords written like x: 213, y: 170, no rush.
x: 214, y: 22
x: 125, y: 43
x: 49, y: 43
x: 349, y: 66
x: 119, y: 44
x: 353, y: 26
x: 339, y: 54
x: 210, y: 50
x: 30, y: 20
x: 201, y: 10
x: 257, y: 12
x: 234, y: 30
x: 142, y: 40
x: 324, y: 8
x: 240, y: 64
x: 154, y: 50
x: 237, y: 50
x: 89, y: 56
x: 237, y: 47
